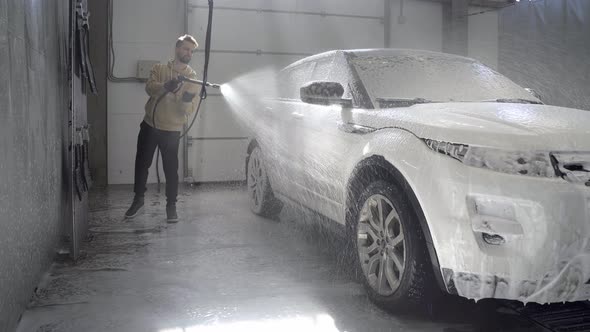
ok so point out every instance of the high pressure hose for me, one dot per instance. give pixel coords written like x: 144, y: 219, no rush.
x: 202, y: 94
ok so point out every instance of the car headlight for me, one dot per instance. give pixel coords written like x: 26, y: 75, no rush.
x: 529, y: 163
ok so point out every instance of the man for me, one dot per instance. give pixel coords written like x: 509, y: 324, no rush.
x: 169, y: 107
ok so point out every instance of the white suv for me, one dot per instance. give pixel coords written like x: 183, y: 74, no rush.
x: 444, y: 172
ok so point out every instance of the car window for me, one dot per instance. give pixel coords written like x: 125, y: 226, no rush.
x: 434, y: 77
x: 328, y: 69
x: 292, y: 79
x: 322, y: 69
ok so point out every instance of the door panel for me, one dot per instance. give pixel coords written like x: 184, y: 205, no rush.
x: 324, y: 143
x: 278, y: 135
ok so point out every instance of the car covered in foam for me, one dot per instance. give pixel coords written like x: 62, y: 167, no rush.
x: 444, y: 173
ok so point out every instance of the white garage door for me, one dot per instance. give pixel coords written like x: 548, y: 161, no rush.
x: 252, y: 34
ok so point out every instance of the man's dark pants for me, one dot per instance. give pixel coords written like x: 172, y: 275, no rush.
x: 149, y: 138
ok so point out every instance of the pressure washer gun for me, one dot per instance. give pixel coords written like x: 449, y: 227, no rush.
x: 190, y: 80
x: 202, y: 96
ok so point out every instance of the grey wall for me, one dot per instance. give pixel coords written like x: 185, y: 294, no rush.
x: 545, y: 45
x: 32, y: 110
x: 540, y: 44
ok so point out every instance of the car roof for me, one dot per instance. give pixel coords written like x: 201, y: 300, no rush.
x: 387, y: 52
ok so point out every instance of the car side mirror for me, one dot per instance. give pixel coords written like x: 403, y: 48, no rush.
x: 534, y: 93
x: 324, y: 93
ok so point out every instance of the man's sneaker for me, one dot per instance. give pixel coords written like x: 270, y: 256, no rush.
x: 135, y: 208
x: 171, y: 215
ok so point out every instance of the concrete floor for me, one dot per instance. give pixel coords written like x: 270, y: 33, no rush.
x: 221, y: 268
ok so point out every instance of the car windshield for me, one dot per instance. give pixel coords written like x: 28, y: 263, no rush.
x: 403, y: 78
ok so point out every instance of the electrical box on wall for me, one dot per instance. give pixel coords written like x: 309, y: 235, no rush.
x: 144, y: 67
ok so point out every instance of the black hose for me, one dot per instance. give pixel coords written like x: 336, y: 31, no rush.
x: 202, y: 94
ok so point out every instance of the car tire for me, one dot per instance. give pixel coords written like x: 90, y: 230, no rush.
x: 393, y: 260
x: 261, y: 197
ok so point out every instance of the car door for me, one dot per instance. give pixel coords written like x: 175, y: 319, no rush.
x: 325, y: 135
x: 284, y: 168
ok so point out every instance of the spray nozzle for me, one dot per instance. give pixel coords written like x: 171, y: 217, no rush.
x: 190, y: 80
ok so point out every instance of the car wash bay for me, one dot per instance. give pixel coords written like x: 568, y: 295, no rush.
x: 70, y: 262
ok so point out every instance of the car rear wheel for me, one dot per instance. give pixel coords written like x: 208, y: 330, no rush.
x: 262, y: 199
x: 390, y: 247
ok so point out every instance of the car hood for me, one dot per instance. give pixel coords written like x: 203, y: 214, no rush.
x: 500, y: 125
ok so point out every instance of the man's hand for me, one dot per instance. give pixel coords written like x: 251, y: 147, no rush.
x: 171, y: 85
x: 188, y: 97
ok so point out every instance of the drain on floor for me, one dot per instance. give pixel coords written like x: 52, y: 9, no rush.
x: 127, y: 230
x: 566, y: 317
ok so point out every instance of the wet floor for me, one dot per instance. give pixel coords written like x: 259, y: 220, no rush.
x: 222, y: 268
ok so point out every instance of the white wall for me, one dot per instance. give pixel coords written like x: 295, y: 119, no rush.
x: 220, y: 153
x: 147, y: 29
x: 416, y: 25
x: 142, y: 29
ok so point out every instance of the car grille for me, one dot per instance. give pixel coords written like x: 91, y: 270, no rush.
x: 573, y: 167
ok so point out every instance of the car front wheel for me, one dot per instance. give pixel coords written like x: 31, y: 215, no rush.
x: 390, y: 247
x: 262, y: 199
